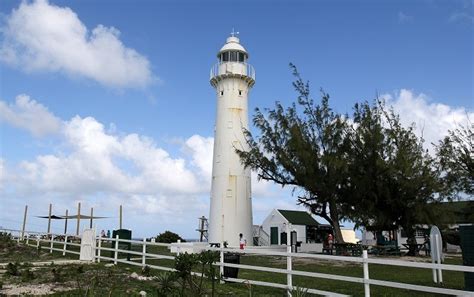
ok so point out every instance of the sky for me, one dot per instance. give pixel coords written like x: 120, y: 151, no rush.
x: 109, y: 102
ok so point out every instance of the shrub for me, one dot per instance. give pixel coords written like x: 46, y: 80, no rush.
x: 27, y: 275
x: 12, y: 269
x: 168, y: 237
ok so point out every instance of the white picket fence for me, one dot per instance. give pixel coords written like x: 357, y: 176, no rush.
x: 35, y: 239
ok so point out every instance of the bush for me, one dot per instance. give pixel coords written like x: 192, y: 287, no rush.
x: 168, y: 237
x: 12, y: 269
x: 27, y: 275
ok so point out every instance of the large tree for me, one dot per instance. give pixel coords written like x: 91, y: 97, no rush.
x: 302, y: 146
x: 456, y: 158
x: 391, y: 177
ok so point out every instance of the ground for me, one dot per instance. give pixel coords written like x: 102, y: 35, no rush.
x: 65, y: 277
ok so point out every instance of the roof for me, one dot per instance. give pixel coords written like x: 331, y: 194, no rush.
x: 232, y: 44
x: 297, y: 217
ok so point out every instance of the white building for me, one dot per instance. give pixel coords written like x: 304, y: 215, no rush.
x: 307, y: 229
x: 231, y: 202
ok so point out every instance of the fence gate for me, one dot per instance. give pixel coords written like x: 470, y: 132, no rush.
x: 87, y: 245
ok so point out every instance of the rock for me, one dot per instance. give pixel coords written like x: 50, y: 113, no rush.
x: 109, y: 265
x: 134, y: 275
x: 142, y: 293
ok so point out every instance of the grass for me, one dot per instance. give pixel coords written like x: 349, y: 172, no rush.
x: 99, y: 280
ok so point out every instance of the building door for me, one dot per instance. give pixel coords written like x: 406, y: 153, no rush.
x: 273, y: 235
x: 283, y: 238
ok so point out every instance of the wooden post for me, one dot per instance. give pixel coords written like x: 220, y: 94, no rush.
x: 78, y: 218
x: 289, y: 278
x: 49, y: 217
x: 65, y: 222
x: 143, y: 253
x: 92, y: 214
x: 120, y: 215
x: 24, y: 222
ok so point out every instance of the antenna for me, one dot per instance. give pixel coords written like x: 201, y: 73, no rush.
x: 233, y: 33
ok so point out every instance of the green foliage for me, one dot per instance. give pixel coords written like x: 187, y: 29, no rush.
x: 302, y: 146
x: 146, y: 271
x: 451, y: 236
x: 57, y: 271
x: 27, y: 275
x: 12, y: 269
x: 456, y: 158
x: 391, y: 178
x: 299, y: 292
x: 168, y: 237
x: 166, y: 283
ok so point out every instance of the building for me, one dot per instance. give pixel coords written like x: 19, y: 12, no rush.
x: 451, y: 215
x: 231, y: 201
x: 307, y: 229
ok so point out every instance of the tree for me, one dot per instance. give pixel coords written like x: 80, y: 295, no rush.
x: 456, y: 158
x: 303, y: 149
x: 391, y: 178
x: 168, y: 237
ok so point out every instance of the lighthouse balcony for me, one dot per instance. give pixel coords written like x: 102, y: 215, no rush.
x: 241, y: 70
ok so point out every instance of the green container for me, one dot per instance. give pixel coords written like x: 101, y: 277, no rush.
x: 467, y: 246
x: 122, y: 234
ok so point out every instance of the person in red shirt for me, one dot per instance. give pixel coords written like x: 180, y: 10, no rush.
x: 242, y: 241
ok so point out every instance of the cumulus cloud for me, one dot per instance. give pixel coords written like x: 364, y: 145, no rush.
x: 39, y: 36
x: 93, y: 165
x: 30, y: 115
x: 432, y: 120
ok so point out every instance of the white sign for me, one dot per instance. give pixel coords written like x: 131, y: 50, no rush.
x: 436, y: 246
x: 87, y: 245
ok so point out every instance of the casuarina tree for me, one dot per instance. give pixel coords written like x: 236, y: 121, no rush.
x: 302, y: 146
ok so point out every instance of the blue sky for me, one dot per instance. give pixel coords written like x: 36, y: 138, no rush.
x: 109, y: 102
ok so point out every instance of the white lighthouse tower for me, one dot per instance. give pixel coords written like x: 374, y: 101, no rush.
x: 231, y: 202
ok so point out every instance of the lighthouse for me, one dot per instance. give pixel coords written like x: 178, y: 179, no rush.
x: 231, y: 201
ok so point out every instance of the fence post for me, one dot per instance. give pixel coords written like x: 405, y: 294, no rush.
x: 221, y: 267
x: 99, y: 246
x: 116, y: 249
x: 38, y: 236
x: 19, y: 235
x: 143, y: 253
x: 438, y: 259
x: 51, y: 246
x: 366, y: 274
x: 65, y: 245
x: 289, y: 276
x: 27, y: 238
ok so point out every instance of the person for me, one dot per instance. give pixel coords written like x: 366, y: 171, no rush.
x: 330, y: 240
x: 102, y: 233
x: 108, y: 233
x: 242, y: 241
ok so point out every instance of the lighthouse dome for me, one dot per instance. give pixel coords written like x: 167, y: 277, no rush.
x: 232, y: 44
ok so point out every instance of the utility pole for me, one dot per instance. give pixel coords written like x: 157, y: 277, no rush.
x: 92, y: 215
x: 120, y: 215
x: 49, y: 217
x: 78, y: 218
x: 65, y: 222
x: 24, y: 222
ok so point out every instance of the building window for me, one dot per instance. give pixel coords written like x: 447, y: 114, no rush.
x: 222, y: 93
x: 229, y: 193
x: 241, y: 57
x: 240, y: 92
x: 225, y: 57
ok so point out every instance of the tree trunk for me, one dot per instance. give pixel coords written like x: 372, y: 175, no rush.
x: 335, y: 222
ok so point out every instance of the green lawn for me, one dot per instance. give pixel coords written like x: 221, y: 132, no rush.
x: 103, y: 280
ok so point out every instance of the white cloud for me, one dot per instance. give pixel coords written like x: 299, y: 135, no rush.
x: 28, y: 114
x: 432, y: 120
x: 39, y: 36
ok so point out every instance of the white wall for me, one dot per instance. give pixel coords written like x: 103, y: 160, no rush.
x: 276, y: 219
